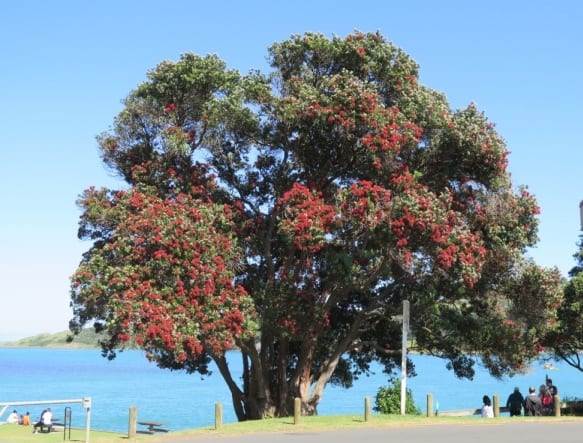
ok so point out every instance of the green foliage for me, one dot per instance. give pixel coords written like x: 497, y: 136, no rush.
x: 565, y: 341
x: 171, y: 288
x: 388, y: 400
x: 578, y: 256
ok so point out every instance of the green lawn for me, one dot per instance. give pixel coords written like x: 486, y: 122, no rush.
x: 22, y: 434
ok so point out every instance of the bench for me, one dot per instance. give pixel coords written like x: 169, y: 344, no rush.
x: 54, y: 426
x: 153, y: 427
x: 42, y: 427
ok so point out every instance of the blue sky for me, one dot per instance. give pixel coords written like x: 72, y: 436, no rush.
x: 66, y: 66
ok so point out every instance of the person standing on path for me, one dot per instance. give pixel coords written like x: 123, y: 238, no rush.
x: 515, y: 402
x: 547, y: 400
x: 551, y: 387
x: 532, y: 405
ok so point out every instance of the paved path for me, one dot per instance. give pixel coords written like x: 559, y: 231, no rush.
x: 490, y: 432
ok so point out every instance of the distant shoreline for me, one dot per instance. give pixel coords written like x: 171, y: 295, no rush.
x: 87, y: 339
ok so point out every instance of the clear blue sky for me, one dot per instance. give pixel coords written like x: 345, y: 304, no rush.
x: 66, y: 65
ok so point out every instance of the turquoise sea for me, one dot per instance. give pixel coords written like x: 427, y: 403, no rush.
x: 185, y: 401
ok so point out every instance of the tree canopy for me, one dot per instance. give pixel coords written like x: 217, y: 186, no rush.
x: 290, y: 214
x: 566, y: 340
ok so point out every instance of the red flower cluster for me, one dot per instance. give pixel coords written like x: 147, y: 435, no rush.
x: 305, y: 217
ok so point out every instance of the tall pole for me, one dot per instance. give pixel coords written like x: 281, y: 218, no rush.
x: 404, y: 356
x: 87, y: 406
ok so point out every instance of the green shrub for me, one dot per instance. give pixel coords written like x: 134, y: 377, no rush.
x: 388, y: 400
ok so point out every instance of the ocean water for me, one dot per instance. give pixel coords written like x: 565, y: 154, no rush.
x: 185, y: 401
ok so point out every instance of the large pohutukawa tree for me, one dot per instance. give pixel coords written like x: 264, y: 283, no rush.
x: 290, y: 215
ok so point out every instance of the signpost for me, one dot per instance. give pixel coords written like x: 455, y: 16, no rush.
x: 404, y: 356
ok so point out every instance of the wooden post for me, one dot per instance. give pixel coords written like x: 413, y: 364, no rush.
x: 430, y: 405
x: 557, y: 405
x: 297, y: 410
x: 367, y: 408
x: 218, y: 415
x: 496, y: 405
x: 132, y: 422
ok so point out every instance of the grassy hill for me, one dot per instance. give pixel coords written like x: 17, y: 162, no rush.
x: 87, y: 339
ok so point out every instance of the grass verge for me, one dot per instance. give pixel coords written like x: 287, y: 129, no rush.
x: 23, y: 434
x: 10, y: 433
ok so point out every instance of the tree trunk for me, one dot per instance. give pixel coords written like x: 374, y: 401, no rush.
x: 256, y: 395
x: 236, y: 394
x: 269, y: 393
x: 302, y: 380
x: 282, y: 407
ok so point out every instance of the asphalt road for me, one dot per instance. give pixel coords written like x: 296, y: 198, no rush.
x: 488, y: 431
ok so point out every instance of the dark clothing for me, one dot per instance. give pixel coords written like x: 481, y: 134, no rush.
x: 553, y: 390
x: 532, y: 405
x: 514, y: 403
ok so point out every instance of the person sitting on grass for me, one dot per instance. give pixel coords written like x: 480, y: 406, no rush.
x: 26, y: 419
x: 13, y: 417
x: 487, y: 410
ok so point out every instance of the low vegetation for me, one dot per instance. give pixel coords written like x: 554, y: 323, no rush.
x: 388, y: 400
